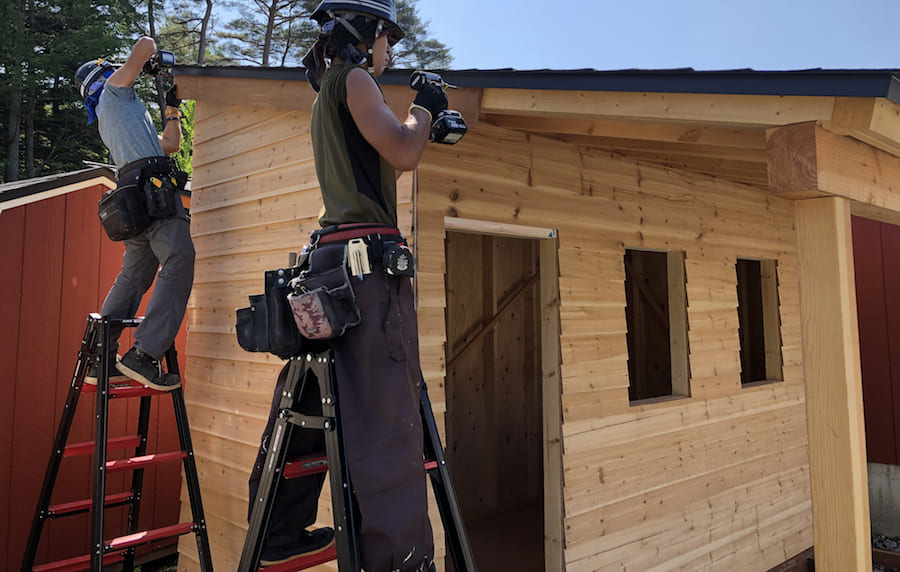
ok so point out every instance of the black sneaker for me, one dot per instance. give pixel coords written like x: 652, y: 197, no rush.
x: 144, y: 369
x: 311, y: 542
x: 93, y: 372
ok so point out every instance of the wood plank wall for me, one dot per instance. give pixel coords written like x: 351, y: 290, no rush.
x: 255, y: 198
x: 716, y: 481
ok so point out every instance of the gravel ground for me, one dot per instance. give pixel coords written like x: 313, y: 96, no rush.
x: 167, y: 564
x: 891, y: 544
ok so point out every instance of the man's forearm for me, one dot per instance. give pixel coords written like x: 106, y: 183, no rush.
x: 171, y: 138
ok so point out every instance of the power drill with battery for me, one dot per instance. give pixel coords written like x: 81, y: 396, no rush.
x: 449, y: 126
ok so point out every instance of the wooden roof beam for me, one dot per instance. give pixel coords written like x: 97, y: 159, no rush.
x: 700, y: 109
x: 806, y: 161
x: 874, y: 120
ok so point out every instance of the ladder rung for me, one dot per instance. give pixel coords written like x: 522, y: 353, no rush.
x: 306, y: 466
x: 305, y: 562
x: 77, y: 563
x: 67, y: 508
x: 140, y: 462
x: 124, y: 390
x: 130, y: 540
x: 87, y: 447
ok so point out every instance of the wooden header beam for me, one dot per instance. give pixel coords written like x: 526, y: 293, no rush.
x: 875, y: 121
x: 700, y: 109
x: 807, y: 161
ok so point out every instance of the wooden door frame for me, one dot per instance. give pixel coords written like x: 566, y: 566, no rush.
x: 551, y: 375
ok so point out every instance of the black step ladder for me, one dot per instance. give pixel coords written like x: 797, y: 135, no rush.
x: 121, y: 549
x: 320, y: 366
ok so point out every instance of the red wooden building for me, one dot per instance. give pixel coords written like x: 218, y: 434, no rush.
x: 57, y: 265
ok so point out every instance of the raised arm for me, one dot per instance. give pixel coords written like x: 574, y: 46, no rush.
x: 126, y: 75
x: 400, y: 144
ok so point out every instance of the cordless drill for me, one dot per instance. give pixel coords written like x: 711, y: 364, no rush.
x: 449, y: 126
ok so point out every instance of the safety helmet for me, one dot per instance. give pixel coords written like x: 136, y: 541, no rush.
x: 91, y: 73
x: 381, y: 9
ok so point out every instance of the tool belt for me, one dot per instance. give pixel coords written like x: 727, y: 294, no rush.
x: 146, y: 190
x: 314, y: 301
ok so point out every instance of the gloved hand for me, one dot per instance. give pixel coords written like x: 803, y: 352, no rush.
x: 432, y: 98
x: 151, y: 66
x: 172, y: 97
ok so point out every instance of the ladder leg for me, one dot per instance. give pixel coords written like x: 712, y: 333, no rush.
x: 190, y: 467
x: 101, y: 426
x: 271, y: 475
x: 59, y: 444
x: 444, y: 493
x: 343, y: 504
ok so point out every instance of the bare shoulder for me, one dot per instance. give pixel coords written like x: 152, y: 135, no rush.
x: 360, y: 82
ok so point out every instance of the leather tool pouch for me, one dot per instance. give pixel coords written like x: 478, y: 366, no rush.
x: 160, y: 194
x: 323, y: 303
x: 267, y: 324
x: 122, y: 212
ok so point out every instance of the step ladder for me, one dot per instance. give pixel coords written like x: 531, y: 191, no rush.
x: 121, y: 549
x: 320, y: 367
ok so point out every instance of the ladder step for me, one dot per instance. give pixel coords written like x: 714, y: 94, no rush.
x: 64, y: 509
x: 77, y: 563
x: 140, y: 462
x: 118, y: 390
x: 305, y: 562
x: 130, y: 540
x: 319, y: 464
x: 87, y: 447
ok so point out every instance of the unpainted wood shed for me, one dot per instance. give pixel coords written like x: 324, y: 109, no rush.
x: 636, y: 305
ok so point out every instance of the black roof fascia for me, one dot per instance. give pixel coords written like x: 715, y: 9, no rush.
x: 816, y: 82
x: 27, y: 187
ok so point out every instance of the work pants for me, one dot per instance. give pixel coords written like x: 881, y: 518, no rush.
x: 165, y: 246
x: 378, y: 381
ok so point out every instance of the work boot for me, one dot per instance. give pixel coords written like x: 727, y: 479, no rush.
x: 310, y: 542
x: 93, y: 371
x: 147, y: 370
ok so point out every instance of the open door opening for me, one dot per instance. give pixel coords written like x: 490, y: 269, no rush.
x: 495, y: 429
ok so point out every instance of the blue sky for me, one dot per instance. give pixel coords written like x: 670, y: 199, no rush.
x: 660, y: 34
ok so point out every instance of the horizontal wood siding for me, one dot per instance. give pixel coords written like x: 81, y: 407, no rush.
x: 715, y: 481
x: 255, y: 199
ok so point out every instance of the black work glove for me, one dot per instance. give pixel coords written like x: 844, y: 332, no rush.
x: 432, y: 98
x: 172, y: 97
x: 151, y: 66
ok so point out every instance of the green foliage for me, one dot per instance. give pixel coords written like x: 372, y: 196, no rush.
x: 186, y: 152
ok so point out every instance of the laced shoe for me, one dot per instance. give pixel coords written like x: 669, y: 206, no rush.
x: 310, y: 542
x: 147, y: 370
x: 93, y: 372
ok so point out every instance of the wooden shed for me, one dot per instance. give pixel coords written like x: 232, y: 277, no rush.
x: 635, y: 296
x: 57, y: 266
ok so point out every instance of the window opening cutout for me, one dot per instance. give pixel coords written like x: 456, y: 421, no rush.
x: 656, y: 315
x: 758, y: 320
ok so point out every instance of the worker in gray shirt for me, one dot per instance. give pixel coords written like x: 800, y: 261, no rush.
x: 145, y: 211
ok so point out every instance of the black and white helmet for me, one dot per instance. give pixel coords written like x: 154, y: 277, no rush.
x: 384, y: 10
x: 91, y: 73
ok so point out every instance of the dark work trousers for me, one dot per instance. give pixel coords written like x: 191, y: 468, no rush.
x: 378, y: 381
x: 165, y: 246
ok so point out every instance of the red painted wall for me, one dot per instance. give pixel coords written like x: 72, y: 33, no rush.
x: 56, y: 266
x: 876, y: 253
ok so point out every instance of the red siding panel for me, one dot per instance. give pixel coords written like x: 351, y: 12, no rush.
x: 873, y: 341
x: 12, y: 237
x: 890, y: 244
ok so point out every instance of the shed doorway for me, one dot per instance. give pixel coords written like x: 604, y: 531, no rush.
x: 496, y: 413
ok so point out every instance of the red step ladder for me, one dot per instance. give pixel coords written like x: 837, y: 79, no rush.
x: 104, y: 552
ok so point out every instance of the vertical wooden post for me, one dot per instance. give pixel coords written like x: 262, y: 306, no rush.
x: 554, y: 539
x: 833, y: 386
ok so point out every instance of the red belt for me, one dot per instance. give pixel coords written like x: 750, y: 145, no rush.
x: 355, y: 230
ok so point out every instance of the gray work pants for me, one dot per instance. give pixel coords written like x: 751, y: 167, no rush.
x: 166, y: 246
